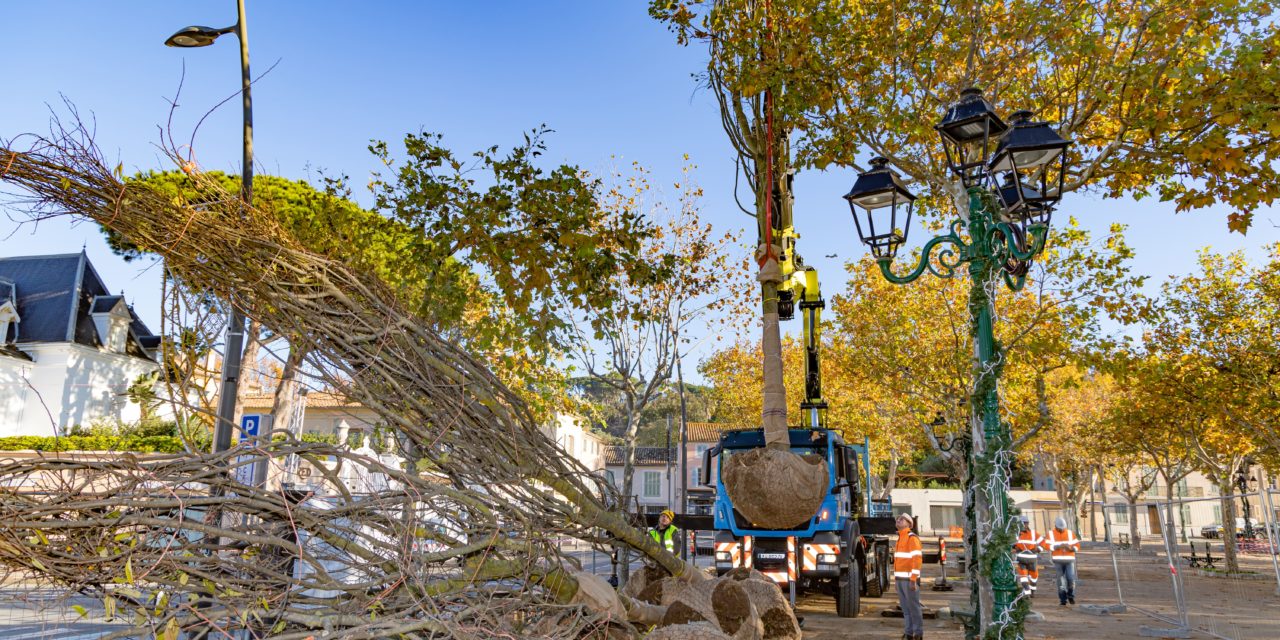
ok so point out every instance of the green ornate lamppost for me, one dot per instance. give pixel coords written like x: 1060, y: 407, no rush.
x: 1012, y: 191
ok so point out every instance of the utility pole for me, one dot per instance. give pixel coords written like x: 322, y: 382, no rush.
x: 670, y: 498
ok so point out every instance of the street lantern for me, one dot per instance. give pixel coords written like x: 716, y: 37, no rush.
x: 196, y: 36
x: 1032, y: 157
x: 879, y: 192
x: 967, y: 131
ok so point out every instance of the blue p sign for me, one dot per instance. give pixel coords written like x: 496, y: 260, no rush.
x: 249, y: 426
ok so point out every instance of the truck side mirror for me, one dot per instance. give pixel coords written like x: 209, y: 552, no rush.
x: 704, y: 476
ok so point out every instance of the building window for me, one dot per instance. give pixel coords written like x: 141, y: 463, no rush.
x: 652, y: 484
x: 899, y: 509
x: 613, y: 480
x: 1217, y: 514
x: 568, y: 444
x: 1121, y: 512
x: 116, y: 337
x: 943, y: 517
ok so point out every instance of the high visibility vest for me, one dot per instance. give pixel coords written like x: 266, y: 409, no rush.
x: 665, y: 537
x: 908, y: 556
x: 1063, y: 544
x: 1028, y: 545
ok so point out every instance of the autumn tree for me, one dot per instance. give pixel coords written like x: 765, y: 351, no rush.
x: 1215, y: 339
x: 630, y: 346
x: 1072, y: 446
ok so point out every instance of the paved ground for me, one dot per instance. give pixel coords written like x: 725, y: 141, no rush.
x: 1229, y: 608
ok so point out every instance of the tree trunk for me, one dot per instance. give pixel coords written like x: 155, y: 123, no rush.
x: 1229, y: 527
x: 1136, y: 540
x: 628, y: 484
x: 774, y: 407
x: 890, y: 478
x: 1093, y: 518
x: 282, y: 406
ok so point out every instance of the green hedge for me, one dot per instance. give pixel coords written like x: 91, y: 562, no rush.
x: 140, y: 444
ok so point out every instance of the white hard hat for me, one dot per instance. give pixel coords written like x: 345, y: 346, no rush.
x: 1060, y: 522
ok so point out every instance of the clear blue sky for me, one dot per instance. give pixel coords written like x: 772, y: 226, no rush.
x: 607, y: 78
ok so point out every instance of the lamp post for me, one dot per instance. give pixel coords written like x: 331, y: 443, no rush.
x: 197, y: 36
x: 1245, y: 483
x: 1012, y: 191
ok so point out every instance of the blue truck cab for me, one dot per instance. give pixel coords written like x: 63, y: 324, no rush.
x: 842, y: 549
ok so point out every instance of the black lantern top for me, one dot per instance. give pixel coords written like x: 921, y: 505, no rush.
x: 971, y: 118
x: 874, y: 191
x: 1027, y: 145
x: 967, y: 131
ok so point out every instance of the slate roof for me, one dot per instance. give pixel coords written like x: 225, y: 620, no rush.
x: 644, y: 455
x: 56, y: 295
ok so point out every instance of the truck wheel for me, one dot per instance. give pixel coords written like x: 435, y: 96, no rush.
x: 875, y: 567
x: 882, y: 565
x: 847, y: 596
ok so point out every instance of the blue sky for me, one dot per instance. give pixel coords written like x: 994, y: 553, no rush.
x: 609, y: 80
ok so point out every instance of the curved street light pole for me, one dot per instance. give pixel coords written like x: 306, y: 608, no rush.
x: 992, y: 244
x: 1007, y: 225
x: 196, y: 36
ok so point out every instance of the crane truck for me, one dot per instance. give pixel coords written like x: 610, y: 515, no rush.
x: 843, y: 549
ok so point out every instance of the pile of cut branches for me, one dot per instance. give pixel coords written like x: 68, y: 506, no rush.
x: 466, y: 545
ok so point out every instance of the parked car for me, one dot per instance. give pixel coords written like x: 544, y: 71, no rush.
x: 1215, y: 530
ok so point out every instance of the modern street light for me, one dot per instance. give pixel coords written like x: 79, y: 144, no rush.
x: 1012, y: 191
x: 197, y: 36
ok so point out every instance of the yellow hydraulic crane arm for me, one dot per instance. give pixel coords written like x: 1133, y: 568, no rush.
x: 801, y: 288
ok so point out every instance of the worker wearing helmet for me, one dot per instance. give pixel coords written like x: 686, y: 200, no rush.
x: 908, y: 558
x: 666, y: 533
x: 1063, y: 545
x: 1026, y: 551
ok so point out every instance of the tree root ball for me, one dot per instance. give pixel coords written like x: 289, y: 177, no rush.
x: 692, y: 631
x: 773, y: 608
x: 776, y: 489
x: 641, y: 579
x: 723, y: 604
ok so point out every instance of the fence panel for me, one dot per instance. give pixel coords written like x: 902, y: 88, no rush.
x: 1202, y: 590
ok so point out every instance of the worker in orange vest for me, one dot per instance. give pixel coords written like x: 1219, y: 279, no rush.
x: 908, y: 558
x: 1063, y: 545
x: 1026, y: 551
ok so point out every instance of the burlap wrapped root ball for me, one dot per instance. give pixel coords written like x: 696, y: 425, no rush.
x: 776, y: 616
x: 598, y: 595
x: 775, y: 489
x: 691, y: 631
x: 641, y: 579
x: 722, y: 603
x: 662, y: 592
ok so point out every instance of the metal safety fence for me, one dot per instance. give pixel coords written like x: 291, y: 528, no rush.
x: 1203, y: 566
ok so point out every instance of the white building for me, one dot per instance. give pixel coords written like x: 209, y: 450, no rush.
x: 574, y: 435
x: 655, y: 473
x: 69, y: 349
